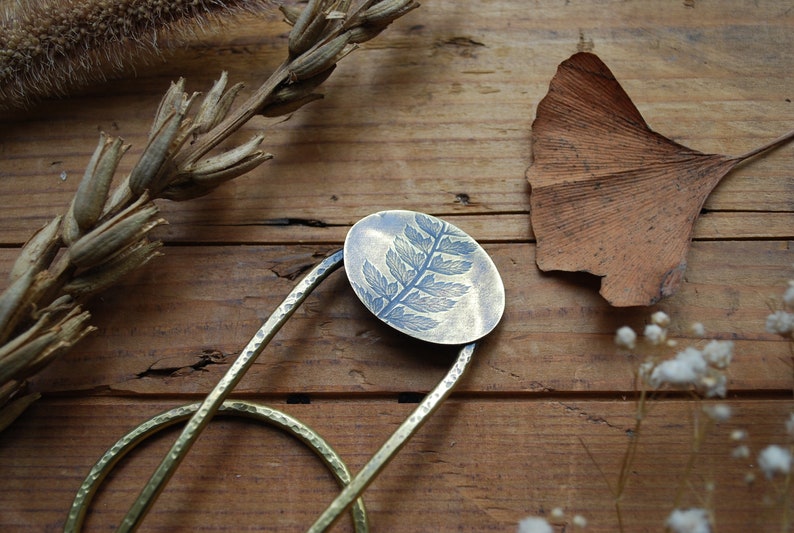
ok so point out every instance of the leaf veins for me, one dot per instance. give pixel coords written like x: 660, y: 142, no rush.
x: 609, y: 195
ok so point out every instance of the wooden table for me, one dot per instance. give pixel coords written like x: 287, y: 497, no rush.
x: 434, y: 115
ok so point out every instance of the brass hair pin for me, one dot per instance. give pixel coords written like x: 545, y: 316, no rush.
x: 418, y: 274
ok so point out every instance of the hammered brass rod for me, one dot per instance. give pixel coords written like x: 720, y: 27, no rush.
x: 162, y: 421
x: 215, y: 398
x: 394, y: 443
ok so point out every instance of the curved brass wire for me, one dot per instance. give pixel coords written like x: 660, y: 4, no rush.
x: 173, y: 416
x: 394, y: 443
x: 215, y: 398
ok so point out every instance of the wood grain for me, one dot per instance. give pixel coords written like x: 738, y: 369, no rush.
x: 434, y: 115
x: 477, y: 465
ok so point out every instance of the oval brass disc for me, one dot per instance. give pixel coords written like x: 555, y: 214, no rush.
x: 424, y: 277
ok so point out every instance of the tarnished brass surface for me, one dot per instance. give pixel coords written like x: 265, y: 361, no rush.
x: 154, y: 425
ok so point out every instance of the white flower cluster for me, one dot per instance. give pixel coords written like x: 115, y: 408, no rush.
x: 774, y: 460
x: 781, y: 322
x: 693, y: 520
x: 536, y: 524
x: 701, y: 369
x: 741, y: 451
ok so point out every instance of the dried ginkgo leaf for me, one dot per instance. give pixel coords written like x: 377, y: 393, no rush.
x: 609, y: 195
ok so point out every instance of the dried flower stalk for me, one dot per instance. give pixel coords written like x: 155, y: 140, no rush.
x: 105, y: 234
x: 49, y: 47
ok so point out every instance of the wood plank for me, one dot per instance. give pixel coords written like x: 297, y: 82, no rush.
x: 475, y: 466
x: 205, y: 228
x: 556, y: 334
x: 440, y: 105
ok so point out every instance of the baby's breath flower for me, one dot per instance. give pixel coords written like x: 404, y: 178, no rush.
x: 693, y: 520
x: 697, y: 329
x: 780, y: 323
x: 684, y: 370
x: 713, y: 384
x: 579, y: 520
x: 718, y: 412
x: 655, y: 334
x: 788, y: 296
x: 661, y: 319
x: 645, y: 370
x: 557, y: 513
x: 719, y: 353
x: 790, y: 425
x: 625, y: 337
x: 738, y: 434
x: 534, y: 524
x: 740, y: 452
x: 690, y: 368
x: 774, y: 459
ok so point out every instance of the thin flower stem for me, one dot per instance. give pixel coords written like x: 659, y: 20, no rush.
x: 700, y: 431
x: 785, y: 498
x: 598, y: 467
x: 631, y: 452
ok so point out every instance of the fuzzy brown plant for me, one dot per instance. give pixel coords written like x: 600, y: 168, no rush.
x: 50, y: 47
x: 104, y: 235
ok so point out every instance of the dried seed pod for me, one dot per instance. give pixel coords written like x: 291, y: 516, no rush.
x: 71, y: 228
x: 30, y: 358
x: 216, y: 104
x: 59, y: 304
x: 285, y: 108
x: 13, y: 303
x: 93, y: 190
x: 291, y: 13
x: 206, y: 111
x: 225, y: 103
x: 386, y: 11
x: 43, y: 322
x: 200, y: 184
x: 307, y: 28
x: 170, y: 103
x: 113, y: 236
x: 226, y: 159
x: 14, y: 363
x: 240, y: 167
x: 39, y: 251
x: 70, y: 231
x: 365, y: 32
x: 120, y: 197
x: 11, y: 411
x: 316, y: 61
x: 8, y: 390
x: 154, y: 155
x: 107, y: 274
x: 296, y: 91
